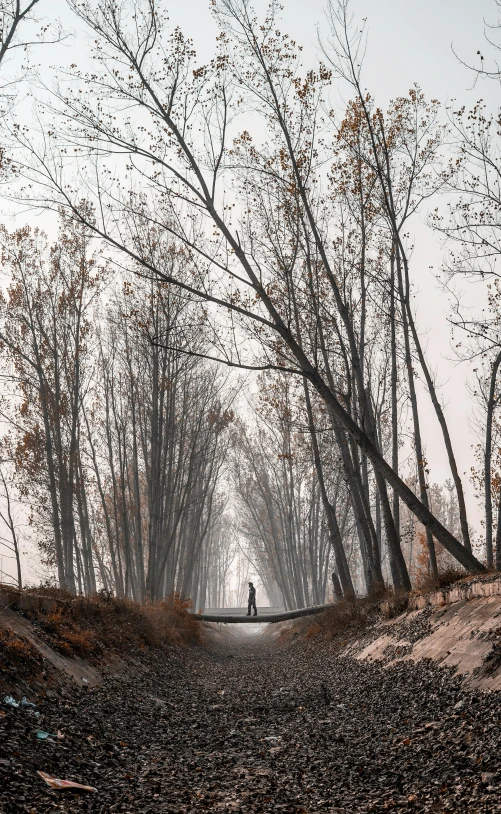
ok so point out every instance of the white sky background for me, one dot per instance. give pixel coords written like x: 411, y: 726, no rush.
x: 409, y: 41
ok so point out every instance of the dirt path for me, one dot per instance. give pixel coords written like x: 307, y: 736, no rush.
x: 250, y: 725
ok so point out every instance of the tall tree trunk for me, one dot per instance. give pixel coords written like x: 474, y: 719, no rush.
x: 394, y: 401
x: 334, y: 533
x: 336, y: 585
x: 492, y: 400
x: 498, y: 536
x: 104, y: 507
x: 420, y: 463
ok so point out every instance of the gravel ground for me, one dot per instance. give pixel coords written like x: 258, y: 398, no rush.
x: 249, y: 724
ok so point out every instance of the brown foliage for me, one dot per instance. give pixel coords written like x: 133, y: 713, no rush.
x: 447, y: 576
x: 448, y: 570
x: 343, y: 619
x: 172, y: 621
x: 100, y: 626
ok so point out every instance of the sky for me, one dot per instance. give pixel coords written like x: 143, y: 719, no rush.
x: 409, y: 41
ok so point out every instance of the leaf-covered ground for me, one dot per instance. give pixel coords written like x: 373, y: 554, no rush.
x: 247, y: 724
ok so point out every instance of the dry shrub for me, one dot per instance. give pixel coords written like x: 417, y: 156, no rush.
x: 426, y: 583
x: 54, y: 620
x: 12, y: 643
x: 345, y: 617
x: 97, y: 626
x: 449, y: 571
x: 173, y: 621
x: 81, y: 642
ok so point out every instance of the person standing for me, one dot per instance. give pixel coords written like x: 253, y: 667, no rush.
x: 252, y: 600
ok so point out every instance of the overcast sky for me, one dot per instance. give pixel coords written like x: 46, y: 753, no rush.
x: 408, y: 41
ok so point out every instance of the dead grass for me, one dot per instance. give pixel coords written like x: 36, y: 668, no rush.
x: 426, y: 583
x: 172, y: 620
x: 96, y: 627
x: 343, y: 619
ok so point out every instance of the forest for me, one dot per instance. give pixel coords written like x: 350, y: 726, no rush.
x: 212, y: 362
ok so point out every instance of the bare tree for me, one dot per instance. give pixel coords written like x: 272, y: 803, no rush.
x: 46, y: 319
x: 183, y: 167
x: 8, y: 518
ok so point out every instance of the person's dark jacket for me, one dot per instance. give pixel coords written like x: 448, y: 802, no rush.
x: 252, y: 594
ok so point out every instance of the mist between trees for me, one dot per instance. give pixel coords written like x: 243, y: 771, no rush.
x: 221, y: 219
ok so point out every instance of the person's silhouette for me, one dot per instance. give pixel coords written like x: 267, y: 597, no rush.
x: 252, y: 600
